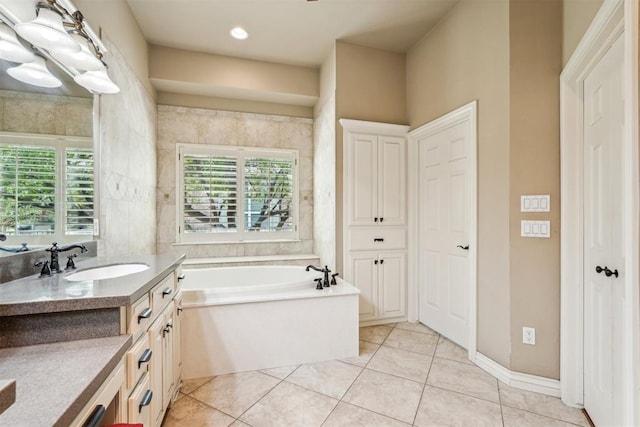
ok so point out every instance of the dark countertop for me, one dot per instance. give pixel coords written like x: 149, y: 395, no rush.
x: 55, y: 381
x: 34, y: 295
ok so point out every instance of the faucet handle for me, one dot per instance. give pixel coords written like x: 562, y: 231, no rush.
x: 70, y: 264
x: 318, y: 283
x: 333, y: 278
x: 46, y: 271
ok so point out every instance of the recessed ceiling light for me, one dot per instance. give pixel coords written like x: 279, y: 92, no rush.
x: 239, y: 33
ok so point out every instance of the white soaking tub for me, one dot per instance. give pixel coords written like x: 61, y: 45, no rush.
x: 245, y: 318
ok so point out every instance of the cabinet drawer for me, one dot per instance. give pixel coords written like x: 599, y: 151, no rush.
x: 140, y: 403
x: 138, y: 359
x: 377, y: 238
x: 162, y: 293
x: 140, y: 316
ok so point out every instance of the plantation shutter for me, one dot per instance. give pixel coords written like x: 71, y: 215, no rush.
x: 79, y: 191
x: 210, y: 193
x: 27, y: 189
x: 268, y: 194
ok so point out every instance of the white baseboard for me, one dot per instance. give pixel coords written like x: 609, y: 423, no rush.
x: 519, y: 380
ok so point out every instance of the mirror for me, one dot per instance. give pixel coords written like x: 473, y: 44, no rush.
x: 46, y: 163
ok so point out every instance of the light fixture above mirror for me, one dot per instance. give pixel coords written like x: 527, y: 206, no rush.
x: 60, y: 34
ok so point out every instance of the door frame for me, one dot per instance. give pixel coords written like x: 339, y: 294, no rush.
x: 615, y: 18
x: 466, y: 113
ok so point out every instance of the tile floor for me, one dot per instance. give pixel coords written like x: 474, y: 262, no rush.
x: 406, y: 375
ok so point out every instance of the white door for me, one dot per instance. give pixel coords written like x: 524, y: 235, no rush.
x: 603, y: 114
x: 364, y: 275
x: 392, y: 284
x: 444, y: 221
x: 391, y: 180
x: 363, y: 167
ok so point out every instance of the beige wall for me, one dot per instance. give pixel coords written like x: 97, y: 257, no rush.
x: 535, y: 46
x: 115, y: 20
x: 464, y: 58
x: 224, y: 76
x: 370, y: 85
x: 576, y: 18
x: 228, y: 104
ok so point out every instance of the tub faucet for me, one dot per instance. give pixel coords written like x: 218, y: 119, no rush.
x: 3, y: 237
x: 325, y: 271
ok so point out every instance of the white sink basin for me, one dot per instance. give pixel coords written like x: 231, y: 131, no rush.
x: 106, y: 272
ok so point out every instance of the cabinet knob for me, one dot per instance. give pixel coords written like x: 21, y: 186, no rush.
x: 375, y: 219
x: 375, y: 262
x: 381, y: 261
x: 381, y: 219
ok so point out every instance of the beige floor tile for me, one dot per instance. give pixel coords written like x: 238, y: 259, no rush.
x: 238, y: 423
x: 540, y: 404
x: 190, y: 412
x: 332, y: 378
x: 367, y: 349
x: 402, y: 363
x: 452, y: 351
x: 375, y: 334
x: 235, y: 393
x: 189, y: 386
x: 518, y: 418
x: 282, y: 372
x: 412, y: 341
x: 442, y: 408
x: 385, y: 394
x: 463, y: 378
x: 290, y: 405
x: 349, y: 415
x: 415, y: 327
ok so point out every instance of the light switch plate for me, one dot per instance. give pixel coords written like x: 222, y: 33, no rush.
x: 536, y: 203
x: 540, y: 229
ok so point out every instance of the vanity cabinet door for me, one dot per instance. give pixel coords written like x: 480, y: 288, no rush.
x: 156, y: 367
x: 167, y: 362
x: 177, y: 340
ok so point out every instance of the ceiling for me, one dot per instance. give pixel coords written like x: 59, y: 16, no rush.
x: 286, y: 31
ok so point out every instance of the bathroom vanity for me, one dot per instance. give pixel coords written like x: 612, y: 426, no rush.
x: 89, y: 349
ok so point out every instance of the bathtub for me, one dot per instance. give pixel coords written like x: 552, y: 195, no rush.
x: 246, y: 318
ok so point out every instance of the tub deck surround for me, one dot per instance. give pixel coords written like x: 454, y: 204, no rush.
x: 36, y: 295
x: 237, y: 261
x: 242, y: 318
x: 55, y: 381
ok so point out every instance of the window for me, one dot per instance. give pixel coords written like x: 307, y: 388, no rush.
x: 237, y: 194
x: 46, y: 187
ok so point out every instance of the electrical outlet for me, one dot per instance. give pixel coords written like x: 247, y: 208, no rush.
x: 529, y: 335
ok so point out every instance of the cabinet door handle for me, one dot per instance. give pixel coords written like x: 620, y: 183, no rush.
x: 95, y: 418
x: 179, y: 310
x: 381, y: 219
x: 466, y: 248
x: 375, y: 262
x: 375, y: 219
x: 146, y: 313
x: 146, y: 400
x: 381, y: 261
x: 146, y: 356
x: 181, y: 277
x: 378, y: 239
x: 167, y: 291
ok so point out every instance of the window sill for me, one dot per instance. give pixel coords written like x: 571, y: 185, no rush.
x: 237, y: 242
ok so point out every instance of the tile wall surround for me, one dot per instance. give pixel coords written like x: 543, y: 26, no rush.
x: 45, y: 114
x: 216, y: 127
x: 324, y: 177
x: 127, y: 176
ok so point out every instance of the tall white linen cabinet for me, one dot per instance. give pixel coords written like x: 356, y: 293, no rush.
x: 375, y: 218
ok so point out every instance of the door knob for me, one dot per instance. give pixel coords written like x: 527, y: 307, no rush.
x: 466, y: 248
x: 599, y: 269
x: 610, y: 273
